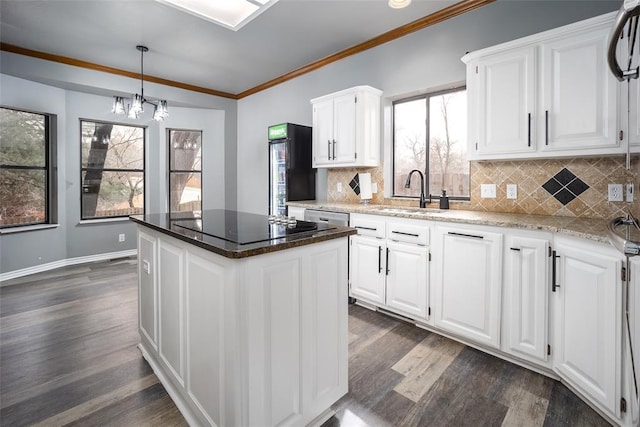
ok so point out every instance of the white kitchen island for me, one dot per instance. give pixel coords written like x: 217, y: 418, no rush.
x: 244, y: 334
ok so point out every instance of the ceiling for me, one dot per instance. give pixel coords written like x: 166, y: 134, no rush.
x: 183, y: 48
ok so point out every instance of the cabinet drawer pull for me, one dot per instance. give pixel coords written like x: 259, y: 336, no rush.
x: 405, y: 234
x: 362, y: 227
x: 323, y: 219
x: 379, y: 259
x: 387, y: 262
x: 334, y: 149
x: 473, y: 236
x: 529, y: 131
x: 546, y: 127
x: 328, y: 150
x: 515, y: 249
x: 554, y: 282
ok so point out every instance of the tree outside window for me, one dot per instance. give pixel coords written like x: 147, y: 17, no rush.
x: 112, y: 170
x: 185, y: 170
x: 25, y: 174
x: 430, y: 134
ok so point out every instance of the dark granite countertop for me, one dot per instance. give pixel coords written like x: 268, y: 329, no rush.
x: 235, y: 234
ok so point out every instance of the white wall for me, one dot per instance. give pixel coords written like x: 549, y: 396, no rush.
x: 426, y: 59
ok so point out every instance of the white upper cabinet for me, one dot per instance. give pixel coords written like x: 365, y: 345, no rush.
x: 506, y: 92
x: 578, y: 93
x: 546, y: 95
x: 346, y: 128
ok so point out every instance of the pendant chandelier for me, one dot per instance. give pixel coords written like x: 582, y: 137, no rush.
x: 135, y: 106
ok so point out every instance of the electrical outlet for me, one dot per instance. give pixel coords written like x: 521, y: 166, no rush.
x: 488, y: 191
x: 339, y: 187
x: 121, y: 237
x: 615, y: 193
x: 512, y: 191
x: 629, y: 192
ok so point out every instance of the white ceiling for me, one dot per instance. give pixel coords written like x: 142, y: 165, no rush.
x: 187, y: 49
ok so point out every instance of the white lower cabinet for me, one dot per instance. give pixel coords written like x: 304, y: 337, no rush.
x: 407, y: 277
x: 391, y: 272
x: 525, y: 299
x: 467, y: 283
x: 588, y: 325
x: 367, y: 275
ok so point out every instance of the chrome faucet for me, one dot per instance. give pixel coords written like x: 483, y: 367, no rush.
x: 423, y: 202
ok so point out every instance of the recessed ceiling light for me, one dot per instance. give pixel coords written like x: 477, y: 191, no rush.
x: 399, y: 4
x: 232, y: 14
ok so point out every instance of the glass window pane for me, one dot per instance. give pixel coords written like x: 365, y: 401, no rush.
x: 448, y: 164
x: 109, y: 194
x: 409, y: 135
x: 22, y: 138
x: 185, y: 150
x: 185, y: 191
x: 110, y: 146
x: 22, y: 196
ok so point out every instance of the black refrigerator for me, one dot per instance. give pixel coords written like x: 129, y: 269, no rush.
x: 291, y: 176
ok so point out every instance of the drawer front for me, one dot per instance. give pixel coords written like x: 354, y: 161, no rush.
x: 368, y: 225
x: 413, y: 232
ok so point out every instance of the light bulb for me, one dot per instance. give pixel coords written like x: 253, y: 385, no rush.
x: 118, y: 105
x: 399, y: 4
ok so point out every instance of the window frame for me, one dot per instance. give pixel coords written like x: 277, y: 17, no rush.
x: 49, y: 168
x: 143, y: 170
x: 170, y: 171
x: 426, y: 96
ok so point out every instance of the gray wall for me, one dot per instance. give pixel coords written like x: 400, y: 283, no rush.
x: 426, y: 59
x: 73, y: 93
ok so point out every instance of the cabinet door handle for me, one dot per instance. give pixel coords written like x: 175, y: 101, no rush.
x: 334, y: 149
x: 328, y: 149
x: 387, y: 262
x: 379, y: 259
x: 405, y: 234
x: 546, y: 127
x: 515, y: 249
x: 473, y: 236
x: 361, y: 227
x: 529, y: 130
x: 554, y: 283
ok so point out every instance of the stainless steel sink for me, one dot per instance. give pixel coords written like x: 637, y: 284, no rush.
x: 406, y: 210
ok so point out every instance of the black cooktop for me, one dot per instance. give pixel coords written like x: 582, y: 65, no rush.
x: 241, y: 227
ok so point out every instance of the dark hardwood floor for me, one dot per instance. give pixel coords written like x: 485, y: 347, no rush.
x: 68, y: 356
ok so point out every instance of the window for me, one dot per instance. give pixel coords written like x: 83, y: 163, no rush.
x: 185, y: 170
x: 27, y: 184
x: 430, y: 134
x: 112, y: 170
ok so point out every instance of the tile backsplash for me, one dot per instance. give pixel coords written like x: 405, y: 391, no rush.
x: 575, y: 187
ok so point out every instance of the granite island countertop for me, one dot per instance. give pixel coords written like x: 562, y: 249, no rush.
x: 586, y: 228
x: 235, y: 234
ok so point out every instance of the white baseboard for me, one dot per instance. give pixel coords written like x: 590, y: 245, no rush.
x: 63, y: 263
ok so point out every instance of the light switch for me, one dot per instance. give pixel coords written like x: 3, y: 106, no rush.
x: 488, y: 191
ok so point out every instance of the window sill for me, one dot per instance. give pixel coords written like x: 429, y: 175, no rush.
x: 102, y: 220
x: 26, y: 228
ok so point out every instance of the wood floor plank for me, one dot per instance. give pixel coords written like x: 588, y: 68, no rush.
x: 424, y: 364
x: 100, y: 402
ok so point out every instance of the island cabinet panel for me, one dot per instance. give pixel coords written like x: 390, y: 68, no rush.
x: 147, y: 291
x: 171, y: 290
x: 254, y: 341
x: 274, y: 346
x: 324, y: 346
x: 204, y: 317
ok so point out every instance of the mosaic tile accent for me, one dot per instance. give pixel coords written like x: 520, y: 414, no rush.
x: 565, y: 186
x: 530, y: 176
x: 355, y: 184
